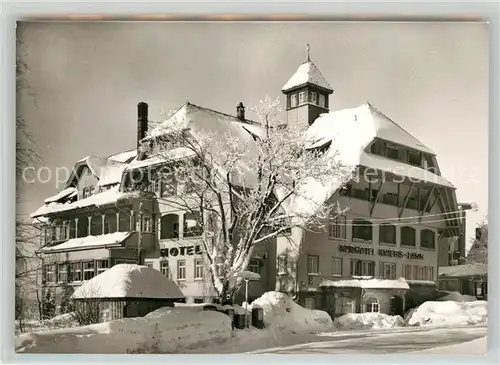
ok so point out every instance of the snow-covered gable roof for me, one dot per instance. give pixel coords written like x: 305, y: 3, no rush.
x: 108, y: 171
x: 350, y: 131
x: 367, y: 284
x: 124, y: 157
x: 65, y: 193
x: 107, y: 197
x: 307, y: 73
x: 129, y: 281
x: 89, y: 242
x: 463, y: 270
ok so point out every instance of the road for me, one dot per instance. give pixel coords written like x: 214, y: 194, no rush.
x: 384, y: 342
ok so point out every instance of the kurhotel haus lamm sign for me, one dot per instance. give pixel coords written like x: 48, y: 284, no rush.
x: 381, y: 252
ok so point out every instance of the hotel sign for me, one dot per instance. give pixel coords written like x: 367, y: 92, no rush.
x: 381, y: 252
x: 181, y: 251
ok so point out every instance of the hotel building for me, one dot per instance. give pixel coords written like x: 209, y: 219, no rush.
x: 400, y: 210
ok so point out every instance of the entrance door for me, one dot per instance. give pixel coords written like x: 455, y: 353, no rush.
x: 397, y: 306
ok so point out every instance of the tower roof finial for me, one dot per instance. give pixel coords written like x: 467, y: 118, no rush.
x: 308, y: 48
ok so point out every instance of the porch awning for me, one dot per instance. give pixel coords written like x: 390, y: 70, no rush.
x: 367, y: 284
x: 89, y: 242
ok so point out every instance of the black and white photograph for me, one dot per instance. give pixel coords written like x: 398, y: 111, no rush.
x: 252, y: 187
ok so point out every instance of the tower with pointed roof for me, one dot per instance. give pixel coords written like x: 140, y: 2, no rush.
x: 307, y: 93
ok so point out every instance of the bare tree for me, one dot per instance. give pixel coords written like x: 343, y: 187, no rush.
x: 242, y: 191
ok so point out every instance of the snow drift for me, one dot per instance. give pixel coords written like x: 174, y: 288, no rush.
x: 449, y: 313
x: 359, y: 321
x: 166, y: 330
x: 281, y: 312
x: 129, y: 281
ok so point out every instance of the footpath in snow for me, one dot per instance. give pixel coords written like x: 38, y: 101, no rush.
x: 478, y: 347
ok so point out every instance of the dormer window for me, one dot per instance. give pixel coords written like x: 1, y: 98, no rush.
x: 322, y: 101
x: 293, y: 100
x: 414, y: 158
x: 302, y: 97
x: 392, y: 152
x: 313, y: 97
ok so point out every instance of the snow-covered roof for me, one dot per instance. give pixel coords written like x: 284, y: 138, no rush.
x: 124, y: 157
x: 108, y: 171
x: 463, y: 270
x: 176, y: 153
x: 129, y: 281
x: 89, y: 242
x: 65, y: 193
x: 307, y: 72
x: 107, y: 197
x: 350, y: 131
x: 367, y: 284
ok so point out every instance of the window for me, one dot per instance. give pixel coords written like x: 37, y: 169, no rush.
x: 387, y: 233
x: 169, y: 226
x: 198, y: 269
x: 313, y: 97
x: 408, y: 236
x: 322, y: 100
x: 168, y: 185
x: 414, y: 158
x: 147, y: 225
x: 377, y: 147
x: 392, y: 152
x: 362, y: 268
x: 429, y: 273
x: 254, y: 266
x: 75, y: 271
x: 407, y: 272
x: 86, y: 192
x: 344, y: 305
x: 102, y: 265
x: 164, y: 269
x: 345, y: 190
x: 337, y: 228
x: 362, y: 230
x: 62, y: 273
x: 49, y: 273
x: 337, y: 266
x: 415, y: 273
x: 293, y: 100
x: 427, y: 238
x: 88, y: 270
x: 388, y: 270
x: 181, y: 270
x: 390, y: 198
x: 302, y: 97
x: 282, y: 264
x: 312, y: 265
x: 309, y: 303
x: 192, y: 227
x: 372, y: 306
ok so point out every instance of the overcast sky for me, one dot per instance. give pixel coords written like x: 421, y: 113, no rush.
x: 431, y: 78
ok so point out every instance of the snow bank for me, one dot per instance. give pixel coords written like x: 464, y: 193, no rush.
x: 281, y: 312
x: 449, y: 313
x: 457, y: 297
x: 129, y: 281
x: 355, y: 321
x: 166, y: 330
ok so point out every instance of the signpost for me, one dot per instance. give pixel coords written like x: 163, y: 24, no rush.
x: 247, y: 276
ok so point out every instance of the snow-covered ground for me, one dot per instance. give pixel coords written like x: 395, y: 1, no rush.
x: 477, y: 347
x: 457, y: 297
x: 189, y: 329
x: 448, y: 313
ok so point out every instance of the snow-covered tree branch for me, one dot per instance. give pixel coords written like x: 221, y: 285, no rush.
x: 244, y: 189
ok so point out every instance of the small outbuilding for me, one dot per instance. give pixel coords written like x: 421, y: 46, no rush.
x: 124, y: 291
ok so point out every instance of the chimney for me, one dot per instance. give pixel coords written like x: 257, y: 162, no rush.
x: 240, y: 111
x: 142, y: 122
